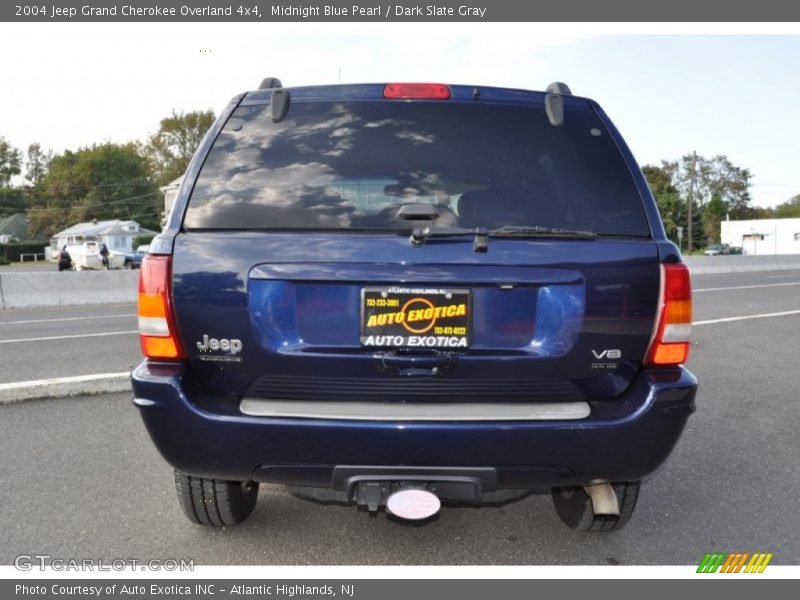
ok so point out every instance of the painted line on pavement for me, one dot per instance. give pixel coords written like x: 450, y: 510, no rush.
x: 68, y: 337
x: 746, y: 287
x: 59, y: 319
x: 745, y: 317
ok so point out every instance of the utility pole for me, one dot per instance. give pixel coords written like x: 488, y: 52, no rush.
x: 690, y: 199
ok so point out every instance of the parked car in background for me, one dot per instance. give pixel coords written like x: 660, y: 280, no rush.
x: 134, y: 260
x: 717, y: 250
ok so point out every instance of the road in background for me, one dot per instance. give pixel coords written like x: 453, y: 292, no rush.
x: 738, y: 294
x: 66, y: 341
x: 29, y: 267
x: 83, y: 479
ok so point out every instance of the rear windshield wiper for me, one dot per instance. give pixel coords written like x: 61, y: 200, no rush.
x: 482, y: 234
x: 536, y: 231
x: 420, y: 234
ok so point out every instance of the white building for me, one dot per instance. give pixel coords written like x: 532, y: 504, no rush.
x: 170, y: 192
x: 116, y: 235
x: 763, y: 236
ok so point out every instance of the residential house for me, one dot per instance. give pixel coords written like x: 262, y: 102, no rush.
x: 116, y: 235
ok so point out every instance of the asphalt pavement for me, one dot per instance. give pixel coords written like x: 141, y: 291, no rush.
x: 82, y: 479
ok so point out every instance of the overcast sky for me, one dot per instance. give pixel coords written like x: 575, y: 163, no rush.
x: 70, y: 85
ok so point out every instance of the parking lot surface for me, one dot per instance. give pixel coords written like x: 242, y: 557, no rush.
x: 81, y: 478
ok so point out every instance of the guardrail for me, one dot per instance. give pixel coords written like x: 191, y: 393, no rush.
x: 736, y: 263
x: 33, y: 290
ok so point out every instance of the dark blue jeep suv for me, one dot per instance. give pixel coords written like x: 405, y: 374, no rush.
x: 394, y: 295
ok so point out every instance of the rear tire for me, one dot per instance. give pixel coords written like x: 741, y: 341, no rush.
x: 574, y: 507
x: 214, y: 502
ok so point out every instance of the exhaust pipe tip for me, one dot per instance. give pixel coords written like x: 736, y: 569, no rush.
x: 604, y: 499
x: 413, y: 504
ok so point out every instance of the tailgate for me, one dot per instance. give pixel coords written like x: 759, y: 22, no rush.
x: 283, y: 316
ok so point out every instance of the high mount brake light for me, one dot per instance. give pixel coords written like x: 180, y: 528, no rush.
x: 416, y: 91
x: 670, y: 345
x: 157, y: 330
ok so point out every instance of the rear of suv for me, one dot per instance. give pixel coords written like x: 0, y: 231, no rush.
x: 395, y: 295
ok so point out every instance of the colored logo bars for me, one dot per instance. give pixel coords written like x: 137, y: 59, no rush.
x: 735, y: 562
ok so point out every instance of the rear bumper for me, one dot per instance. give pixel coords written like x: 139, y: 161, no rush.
x: 623, y: 439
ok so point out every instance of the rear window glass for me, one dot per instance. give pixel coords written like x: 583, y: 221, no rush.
x: 340, y: 165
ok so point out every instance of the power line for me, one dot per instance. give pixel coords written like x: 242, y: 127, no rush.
x: 101, y: 205
x: 789, y: 185
x: 118, y: 200
x: 123, y: 183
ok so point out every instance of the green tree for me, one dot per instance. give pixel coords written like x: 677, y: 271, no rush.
x: 36, y: 164
x: 705, y: 178
x: 142, y: 240
x: 761, y: 212
x: 12, y: 201
x: 10, y: 160
x: 106, y: 181
x: 170, y: 149
x: 789, y: 209
x: 670, y: 204
x: 713, y: 213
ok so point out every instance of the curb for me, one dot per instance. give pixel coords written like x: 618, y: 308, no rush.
x: 62, y: 387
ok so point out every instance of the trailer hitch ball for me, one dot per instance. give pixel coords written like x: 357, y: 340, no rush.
x: 413, y: 504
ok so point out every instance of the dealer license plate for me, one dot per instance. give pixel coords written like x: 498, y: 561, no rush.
x: 400, y: 317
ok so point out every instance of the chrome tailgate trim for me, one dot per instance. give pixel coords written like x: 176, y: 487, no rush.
x: 394, y: 411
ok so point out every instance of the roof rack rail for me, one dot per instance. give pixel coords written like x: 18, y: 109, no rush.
x: 269, y: 83
x: 553, y: 103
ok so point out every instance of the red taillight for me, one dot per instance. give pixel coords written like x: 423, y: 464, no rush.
x: 157, y: 332
x: 670, y: 345
x: 416, y: 91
